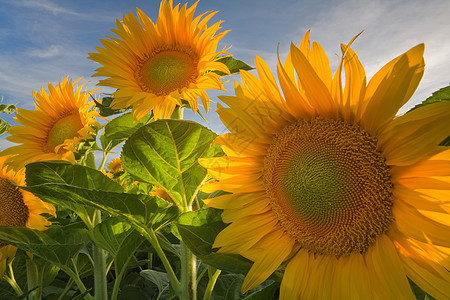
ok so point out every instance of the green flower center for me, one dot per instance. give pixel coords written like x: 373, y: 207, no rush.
x: 63, y: 129
x: 167, y: 70
x: 329, y: 186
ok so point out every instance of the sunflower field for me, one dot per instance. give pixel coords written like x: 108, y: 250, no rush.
x: 319, y: 189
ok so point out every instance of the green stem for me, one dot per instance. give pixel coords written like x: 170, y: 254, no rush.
x: 99, y: 256
x: 177, y: 113
x: 115, y: 291
x: 12, y: 281
x: 77, y: 281
x: 188, y: 273
x: 102, y: 164
x: 66, y: 289
x: 34, y: 279
x: 151, y: 237
x: 212, y: 281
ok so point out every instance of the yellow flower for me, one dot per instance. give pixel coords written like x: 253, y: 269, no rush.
x: 115, y: 166
x: 155, y: 66
x: 53, y: 131
x: 326, y: 177
x: 18, y: 208
x: 161, y: 193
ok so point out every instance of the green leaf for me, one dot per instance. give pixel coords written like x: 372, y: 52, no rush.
x: 119, y: 238
x: 122, y: 127
x: 438, y: 96
x: 105, y: 109
x: 445, y: 142
x: 74, y: 175
x: 265, y: 291
x: 418, y: 292
x: 3, y: 126
x: 228, y: 287
x: 234, y: 65
x: 110, y: 234
x: 160, y: 279
x: 61, y: 172
x: 165, y: 153
x: 199, y: 229
x: 56, y: 244
x: 7, y: 108
x: 62, y: 183
x: 233, y: 263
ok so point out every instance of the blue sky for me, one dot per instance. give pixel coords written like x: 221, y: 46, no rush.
x: 42, y: 41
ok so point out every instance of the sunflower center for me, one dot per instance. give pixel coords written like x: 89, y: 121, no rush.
x: 63, y: 129
x: 167, y: 70
x: 329, y: 186
x: 13, y: 211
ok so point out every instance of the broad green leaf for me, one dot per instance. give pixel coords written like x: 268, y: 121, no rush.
x: 165, y: 153
x: 61, y: 183
x: 198, y: 229
x: 233, y: 263
x: 228, y: 287
x: 60, y: 172
x: 234, y: 65
x: 438, y: 96
x: 122, y: 127
x: 110, y: 234
x: 56, y: 244
x: 125, y: 254
x: 3, y: 126
x: 119, y: 238
x: 73, y: 175
x: 105, y: 109
x: 265, y: 291
x: 160, y: 279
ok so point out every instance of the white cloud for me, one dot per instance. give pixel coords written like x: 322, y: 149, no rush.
x: 391, y: 28
x: 45, y: 5
x: 49, y: 52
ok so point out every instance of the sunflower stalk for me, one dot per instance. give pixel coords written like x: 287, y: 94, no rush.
x: 99, y: 256
x: 188, y: 273
x: 34, y: 279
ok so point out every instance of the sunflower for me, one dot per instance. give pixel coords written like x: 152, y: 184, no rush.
x: 53, y: 131
x: 155, y: 66
x: 324, y: 178
x: 115, y: 166
x: 18, y: 208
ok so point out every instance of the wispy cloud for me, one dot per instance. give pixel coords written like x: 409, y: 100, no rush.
x: 49, y: 52
x: 44, y: 5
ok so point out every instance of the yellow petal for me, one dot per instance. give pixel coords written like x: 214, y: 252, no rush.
x: 391, y: 87
x: 415, y: 136
x: 413, y: 224
x: 387, y: 266
x: 316, y: 91
x: 427, y: 272
x: 232, y: 201
x: 269, y: 260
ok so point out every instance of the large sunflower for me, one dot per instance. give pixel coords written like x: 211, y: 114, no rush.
x: 18, y: 208
x: 155, y: 66
x: 53, y: 131
x: 327, y: 178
